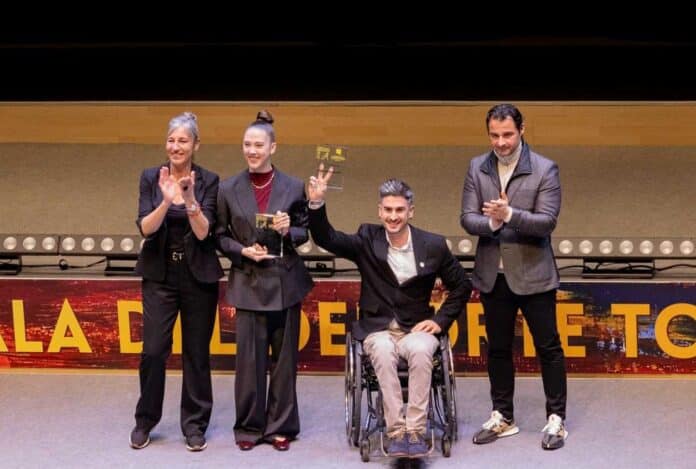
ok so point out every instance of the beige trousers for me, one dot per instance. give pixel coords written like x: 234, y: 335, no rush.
x: 384, y: 349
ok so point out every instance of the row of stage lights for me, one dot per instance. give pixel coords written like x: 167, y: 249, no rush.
x: 600, y: 247
x: 98, y: 245
x: 460, y: 246
x: 70, y: 244
x: 621, y: 247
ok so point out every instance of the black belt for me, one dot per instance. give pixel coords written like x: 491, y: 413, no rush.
x: 176, y: 256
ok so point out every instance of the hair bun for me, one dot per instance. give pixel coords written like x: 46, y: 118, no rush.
x: 264, y: 116
x: 190, y: 115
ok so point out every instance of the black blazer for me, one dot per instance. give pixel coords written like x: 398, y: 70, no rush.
x: 200, y: 256
x: 381, y: 297
x: 269, y: 285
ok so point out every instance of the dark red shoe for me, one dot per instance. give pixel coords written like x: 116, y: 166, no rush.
x: 245, y: 445
x: 281, y: 445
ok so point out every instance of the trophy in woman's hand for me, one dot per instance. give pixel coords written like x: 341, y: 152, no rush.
x: 267, y: 236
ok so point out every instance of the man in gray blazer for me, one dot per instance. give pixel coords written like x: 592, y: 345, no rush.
x: 511, y: 201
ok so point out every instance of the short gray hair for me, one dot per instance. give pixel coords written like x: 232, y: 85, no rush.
x: 187, y: 120
x: 396, y: 188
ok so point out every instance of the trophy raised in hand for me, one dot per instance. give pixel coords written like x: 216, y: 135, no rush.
x: 334, y: 156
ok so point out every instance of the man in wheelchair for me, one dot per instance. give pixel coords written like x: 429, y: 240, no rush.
x: 398, y: 265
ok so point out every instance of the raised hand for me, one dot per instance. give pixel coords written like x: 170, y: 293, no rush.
x: 187, y: 184
x: 318, y: 184
x: 167, y: 185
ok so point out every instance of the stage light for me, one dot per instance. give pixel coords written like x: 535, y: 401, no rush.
x: 626, y: 247
x: 319, y: 261
x: 107, y: 244
x: 305, y: 248
x: 49, y: 243
x: 565, y: 246
x: 462, y: 247
x: 586, y: 246
x: 67, y: 245
x: 9, y: 243
x: 686, y: 247
x: 646, y: 247
x: 29, y: 243
x: 605, y: 247
x: 666, y: 247
x: 88, y: 244
x: 127, y: 244
x: 310, y: 250
x: 465, y: 246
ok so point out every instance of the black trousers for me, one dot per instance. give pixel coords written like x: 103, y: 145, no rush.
x: 260, y: 418
x: 179, y: 291
x: 500, y: 310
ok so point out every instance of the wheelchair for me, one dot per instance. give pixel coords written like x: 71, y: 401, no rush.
x: 360, y: 380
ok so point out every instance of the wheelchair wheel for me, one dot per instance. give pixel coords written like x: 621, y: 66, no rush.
x: 353, y: 392
x: 365, y: 450
x: 446, y: 446
x: 450, y: 399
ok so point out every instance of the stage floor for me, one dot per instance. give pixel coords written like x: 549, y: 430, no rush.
x: 68, y: 420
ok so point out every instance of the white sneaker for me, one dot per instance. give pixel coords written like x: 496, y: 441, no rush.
x: 554, y: 433
x: 495, y: 427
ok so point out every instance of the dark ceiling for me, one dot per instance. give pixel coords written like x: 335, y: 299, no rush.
x: 147, y: 64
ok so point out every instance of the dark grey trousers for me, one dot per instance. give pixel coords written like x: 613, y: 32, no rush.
x: 261, y: 417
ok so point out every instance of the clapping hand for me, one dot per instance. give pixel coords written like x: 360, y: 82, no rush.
x: 497, y: 209
x: 167, y: 185
x: 187, y: 184
x: 319, y: 183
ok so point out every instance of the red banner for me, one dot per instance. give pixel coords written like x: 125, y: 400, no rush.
x: 96, y: 323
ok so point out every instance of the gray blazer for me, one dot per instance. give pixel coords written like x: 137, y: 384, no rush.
x: 534, y: 193
x: 268, y: 285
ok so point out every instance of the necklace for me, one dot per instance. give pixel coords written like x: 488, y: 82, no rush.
x: 264, y: 185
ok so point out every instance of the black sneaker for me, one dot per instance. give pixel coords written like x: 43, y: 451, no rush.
x: 196, y: 442
x: 554, y: 433
x: 139, y: 438
x: 495, y: 427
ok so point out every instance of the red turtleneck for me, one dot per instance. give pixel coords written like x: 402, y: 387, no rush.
x: 262, y: 184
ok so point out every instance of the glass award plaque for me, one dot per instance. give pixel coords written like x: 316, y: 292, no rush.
x: 332, y: 156
x: 268, y: 237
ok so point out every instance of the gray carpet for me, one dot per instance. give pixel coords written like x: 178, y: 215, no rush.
x: 83, y: 420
